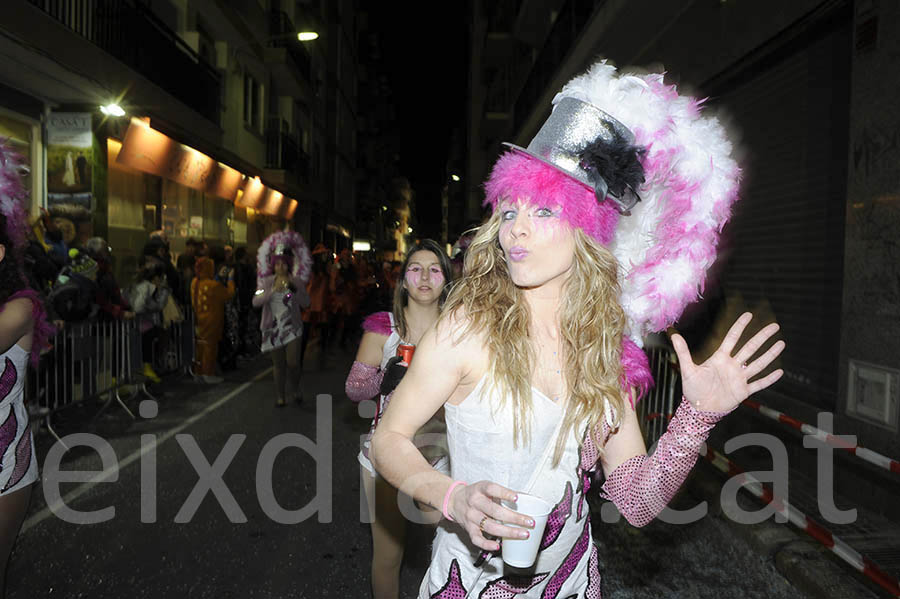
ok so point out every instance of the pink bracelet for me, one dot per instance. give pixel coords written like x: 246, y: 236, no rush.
x: 444, y: 511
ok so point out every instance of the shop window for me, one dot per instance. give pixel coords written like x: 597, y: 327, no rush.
x: 182, y: 214
x: 217, y: 217
x: 239, y: 227
x: 132, y: 212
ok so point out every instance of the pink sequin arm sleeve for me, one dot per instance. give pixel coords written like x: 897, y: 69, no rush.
x: 363, y: 382
x: 643, y: 485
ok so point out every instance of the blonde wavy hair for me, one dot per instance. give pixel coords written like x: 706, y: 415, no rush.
x: 591, y: 324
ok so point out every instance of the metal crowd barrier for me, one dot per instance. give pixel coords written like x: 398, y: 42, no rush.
x: 173, y: 350
x: 660, y: 403
x: 102, y: 361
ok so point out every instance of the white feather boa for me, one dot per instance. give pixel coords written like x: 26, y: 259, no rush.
x: 669, y: 242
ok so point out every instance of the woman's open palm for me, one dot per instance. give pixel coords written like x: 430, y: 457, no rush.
x: 723, y: 381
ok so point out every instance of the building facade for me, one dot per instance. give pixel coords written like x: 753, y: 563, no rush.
x: 237, y: 121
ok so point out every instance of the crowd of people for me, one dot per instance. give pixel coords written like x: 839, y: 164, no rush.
x: 212, y: 283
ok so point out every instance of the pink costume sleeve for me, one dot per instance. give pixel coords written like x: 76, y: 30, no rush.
x: 643, y: 485
x: 363, y: 382
x: 379, y: 322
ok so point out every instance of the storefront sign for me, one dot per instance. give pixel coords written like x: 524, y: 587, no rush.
x: 226, y: 182
x: 69, y: 158
x: 254, y: 194
x: 153, y: 152
x: 272, y: 203
x: 292, y: 207
x: 148, y: 150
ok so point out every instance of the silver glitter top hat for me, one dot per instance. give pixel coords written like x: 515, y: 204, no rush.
x: 570, y: 129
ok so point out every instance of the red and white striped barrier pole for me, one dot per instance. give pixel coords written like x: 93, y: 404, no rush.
x: 656, y: 415
x: 804, y: 522
x: 861, y: 452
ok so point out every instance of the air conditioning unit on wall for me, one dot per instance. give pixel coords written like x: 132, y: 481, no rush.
x: 873, y: 393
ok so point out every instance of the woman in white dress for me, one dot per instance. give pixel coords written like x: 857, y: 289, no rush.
x: 24, y: 332
x: 375, y: 373
x: 283, y: 268
x: 535, y: 358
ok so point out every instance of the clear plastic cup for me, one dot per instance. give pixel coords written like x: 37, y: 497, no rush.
x: 521, y: 553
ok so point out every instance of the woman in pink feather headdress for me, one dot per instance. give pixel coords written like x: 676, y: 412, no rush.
x: 602, y: 231
x: 283, y: 268
x: 24, y: 331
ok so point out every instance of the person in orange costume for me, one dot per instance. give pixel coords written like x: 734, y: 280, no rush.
x: 208, y: 298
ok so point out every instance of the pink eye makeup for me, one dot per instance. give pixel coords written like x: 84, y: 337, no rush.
x: 414, y: 276
x: 436, y: 276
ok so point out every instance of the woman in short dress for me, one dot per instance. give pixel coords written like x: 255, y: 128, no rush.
x: 24, y: 331
x: 374, y: 374
x: 283, y: 268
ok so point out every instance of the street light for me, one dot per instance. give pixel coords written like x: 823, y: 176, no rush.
x: 112, y: 109
x: 303, y: 36
x: 455, y: 177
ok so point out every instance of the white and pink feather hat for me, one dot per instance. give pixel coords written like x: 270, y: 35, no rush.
x: 284, y: 243
x: 638, y: 168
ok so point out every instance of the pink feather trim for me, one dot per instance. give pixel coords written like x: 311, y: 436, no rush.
x: 379, y: 322
x: 636, y: 371
x: 13, y: 195
x: 517, y: 175
x: 42, y: 329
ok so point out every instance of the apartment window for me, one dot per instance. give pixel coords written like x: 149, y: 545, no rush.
x: 252, y: 102
x: 316, y: 164
x: 304, y: 140
x: 206, y: 45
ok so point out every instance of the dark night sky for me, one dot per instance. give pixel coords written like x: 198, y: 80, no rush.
x: 425, y: 57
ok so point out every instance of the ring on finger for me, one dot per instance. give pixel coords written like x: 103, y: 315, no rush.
x: 481, y: 524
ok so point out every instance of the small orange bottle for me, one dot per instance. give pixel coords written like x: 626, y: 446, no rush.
x: 406, y: 352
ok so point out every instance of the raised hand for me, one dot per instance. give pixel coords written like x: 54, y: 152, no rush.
x: 722, y: 382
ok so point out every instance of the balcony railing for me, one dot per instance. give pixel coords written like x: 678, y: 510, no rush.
x: 573, y: 18
x: 283, y: 151
x: 130, y: 32
x: 282, y: 31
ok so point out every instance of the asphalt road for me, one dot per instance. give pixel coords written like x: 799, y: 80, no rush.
x: 233, y: 541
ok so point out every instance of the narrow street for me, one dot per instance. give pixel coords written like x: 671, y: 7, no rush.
x: 241, y: 549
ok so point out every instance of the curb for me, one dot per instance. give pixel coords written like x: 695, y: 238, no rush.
x: 809, y: 567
